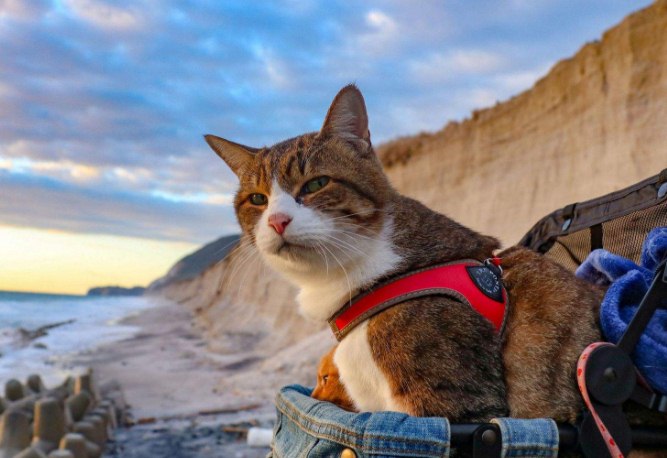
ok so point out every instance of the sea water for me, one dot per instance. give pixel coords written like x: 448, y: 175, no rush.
x: 94, y: 321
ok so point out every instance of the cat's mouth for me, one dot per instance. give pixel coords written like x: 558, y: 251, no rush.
x: 287, y: 248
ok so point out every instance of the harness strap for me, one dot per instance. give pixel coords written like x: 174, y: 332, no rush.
x: 472, y: 282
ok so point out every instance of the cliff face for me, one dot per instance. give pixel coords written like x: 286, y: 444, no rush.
x: 595, y: 123
x: 191, y: 267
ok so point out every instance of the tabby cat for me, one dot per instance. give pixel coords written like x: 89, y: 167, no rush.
x: 321, y: 211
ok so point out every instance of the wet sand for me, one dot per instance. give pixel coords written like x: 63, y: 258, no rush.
x: 171, y: 384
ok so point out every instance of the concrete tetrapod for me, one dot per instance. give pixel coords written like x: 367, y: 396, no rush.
x: 84, y: 382
x: 63, y: 390
x: 15, y: 433
x: 69, y: 422
x: 14, y: 390
x: 34, y: 384
x: 106, y: 418
x: 100, y: 425
x: 94, y: 450
x: 32, y: 452
x: 25, y: 405
x: 78, y: 405
x: 49, y: 425
x: 61, y: 454
x: 113, y: 414
x: 76, y: 444
x: 90, y: 432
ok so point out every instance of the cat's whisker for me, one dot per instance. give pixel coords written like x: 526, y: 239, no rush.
x: 247, y: 269
x: 254, y: 257
x: 246, y: 256
x: 243, y: 244
x: 342, y: 244
x: 239, y: 253
x: 319, y: 231
x: 316, y: 230
x: 324, y: 255
x: 349, y: 215
x: 229, y: 279
x: 227, y: 245
x: 356, y: 229
x: 231, y: 252
x: 347, y: 278
x: 353, y: 234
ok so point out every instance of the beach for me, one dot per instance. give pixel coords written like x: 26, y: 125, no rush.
x: 169, y: 379
x: 170, y: 382
x: 165, y: 368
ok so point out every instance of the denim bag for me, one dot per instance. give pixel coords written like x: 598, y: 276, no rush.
x: 309, y: 428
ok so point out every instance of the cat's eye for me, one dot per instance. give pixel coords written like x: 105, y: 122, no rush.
x: 325, y: 379
x: 315, y: 184
x: 258, y: 199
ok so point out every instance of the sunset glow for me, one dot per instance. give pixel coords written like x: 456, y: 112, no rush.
x: 36, y: 260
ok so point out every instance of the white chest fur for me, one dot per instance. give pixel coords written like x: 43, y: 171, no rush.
x: 321, y: 295
x: 365, y: 383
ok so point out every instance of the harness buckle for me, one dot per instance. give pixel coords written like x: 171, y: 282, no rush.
x: 494, y: 265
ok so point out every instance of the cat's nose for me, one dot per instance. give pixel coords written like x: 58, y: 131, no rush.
x: 279, y: 222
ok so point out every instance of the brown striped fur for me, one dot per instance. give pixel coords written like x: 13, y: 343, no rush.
x: 329, y: 387
x: 439, y: 357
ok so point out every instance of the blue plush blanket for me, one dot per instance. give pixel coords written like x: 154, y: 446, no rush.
x: 628, y: 282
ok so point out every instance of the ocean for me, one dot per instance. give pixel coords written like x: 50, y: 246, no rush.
x: 88, y: 323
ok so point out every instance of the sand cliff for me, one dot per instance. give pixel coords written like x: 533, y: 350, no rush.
x: 595, y: 123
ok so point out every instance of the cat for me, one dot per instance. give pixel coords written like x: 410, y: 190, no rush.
x: 321, y: 211
x: 329, y: 387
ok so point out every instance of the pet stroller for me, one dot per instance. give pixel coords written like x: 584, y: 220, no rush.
x: 618, y: 223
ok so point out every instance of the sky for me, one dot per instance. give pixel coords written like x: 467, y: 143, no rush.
x: 104, y: 176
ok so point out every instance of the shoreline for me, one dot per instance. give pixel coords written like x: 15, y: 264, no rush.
x: 165, y: 369
x: 170, y: 383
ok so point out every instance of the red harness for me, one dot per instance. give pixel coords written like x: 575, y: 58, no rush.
x: 472, y: 282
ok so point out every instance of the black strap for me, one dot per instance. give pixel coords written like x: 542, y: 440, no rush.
x: 596, y: 236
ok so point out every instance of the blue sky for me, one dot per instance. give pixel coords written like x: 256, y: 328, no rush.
x: 103, y: 104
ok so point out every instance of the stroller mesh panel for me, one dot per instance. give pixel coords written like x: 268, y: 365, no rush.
x: 571, y: 250
x: 623, y: 236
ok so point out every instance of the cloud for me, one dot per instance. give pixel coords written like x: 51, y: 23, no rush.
x: 50, y: 204
x: 103, y: 104
x: 23, y: 9
x: 62, y: 169
x: 104, y: 15
x: 277, y: 71
x: 381, y: 35
x: 443, y: 67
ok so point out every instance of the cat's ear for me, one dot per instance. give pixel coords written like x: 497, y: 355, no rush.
x: 347, y: 117
x: 236, y: 156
